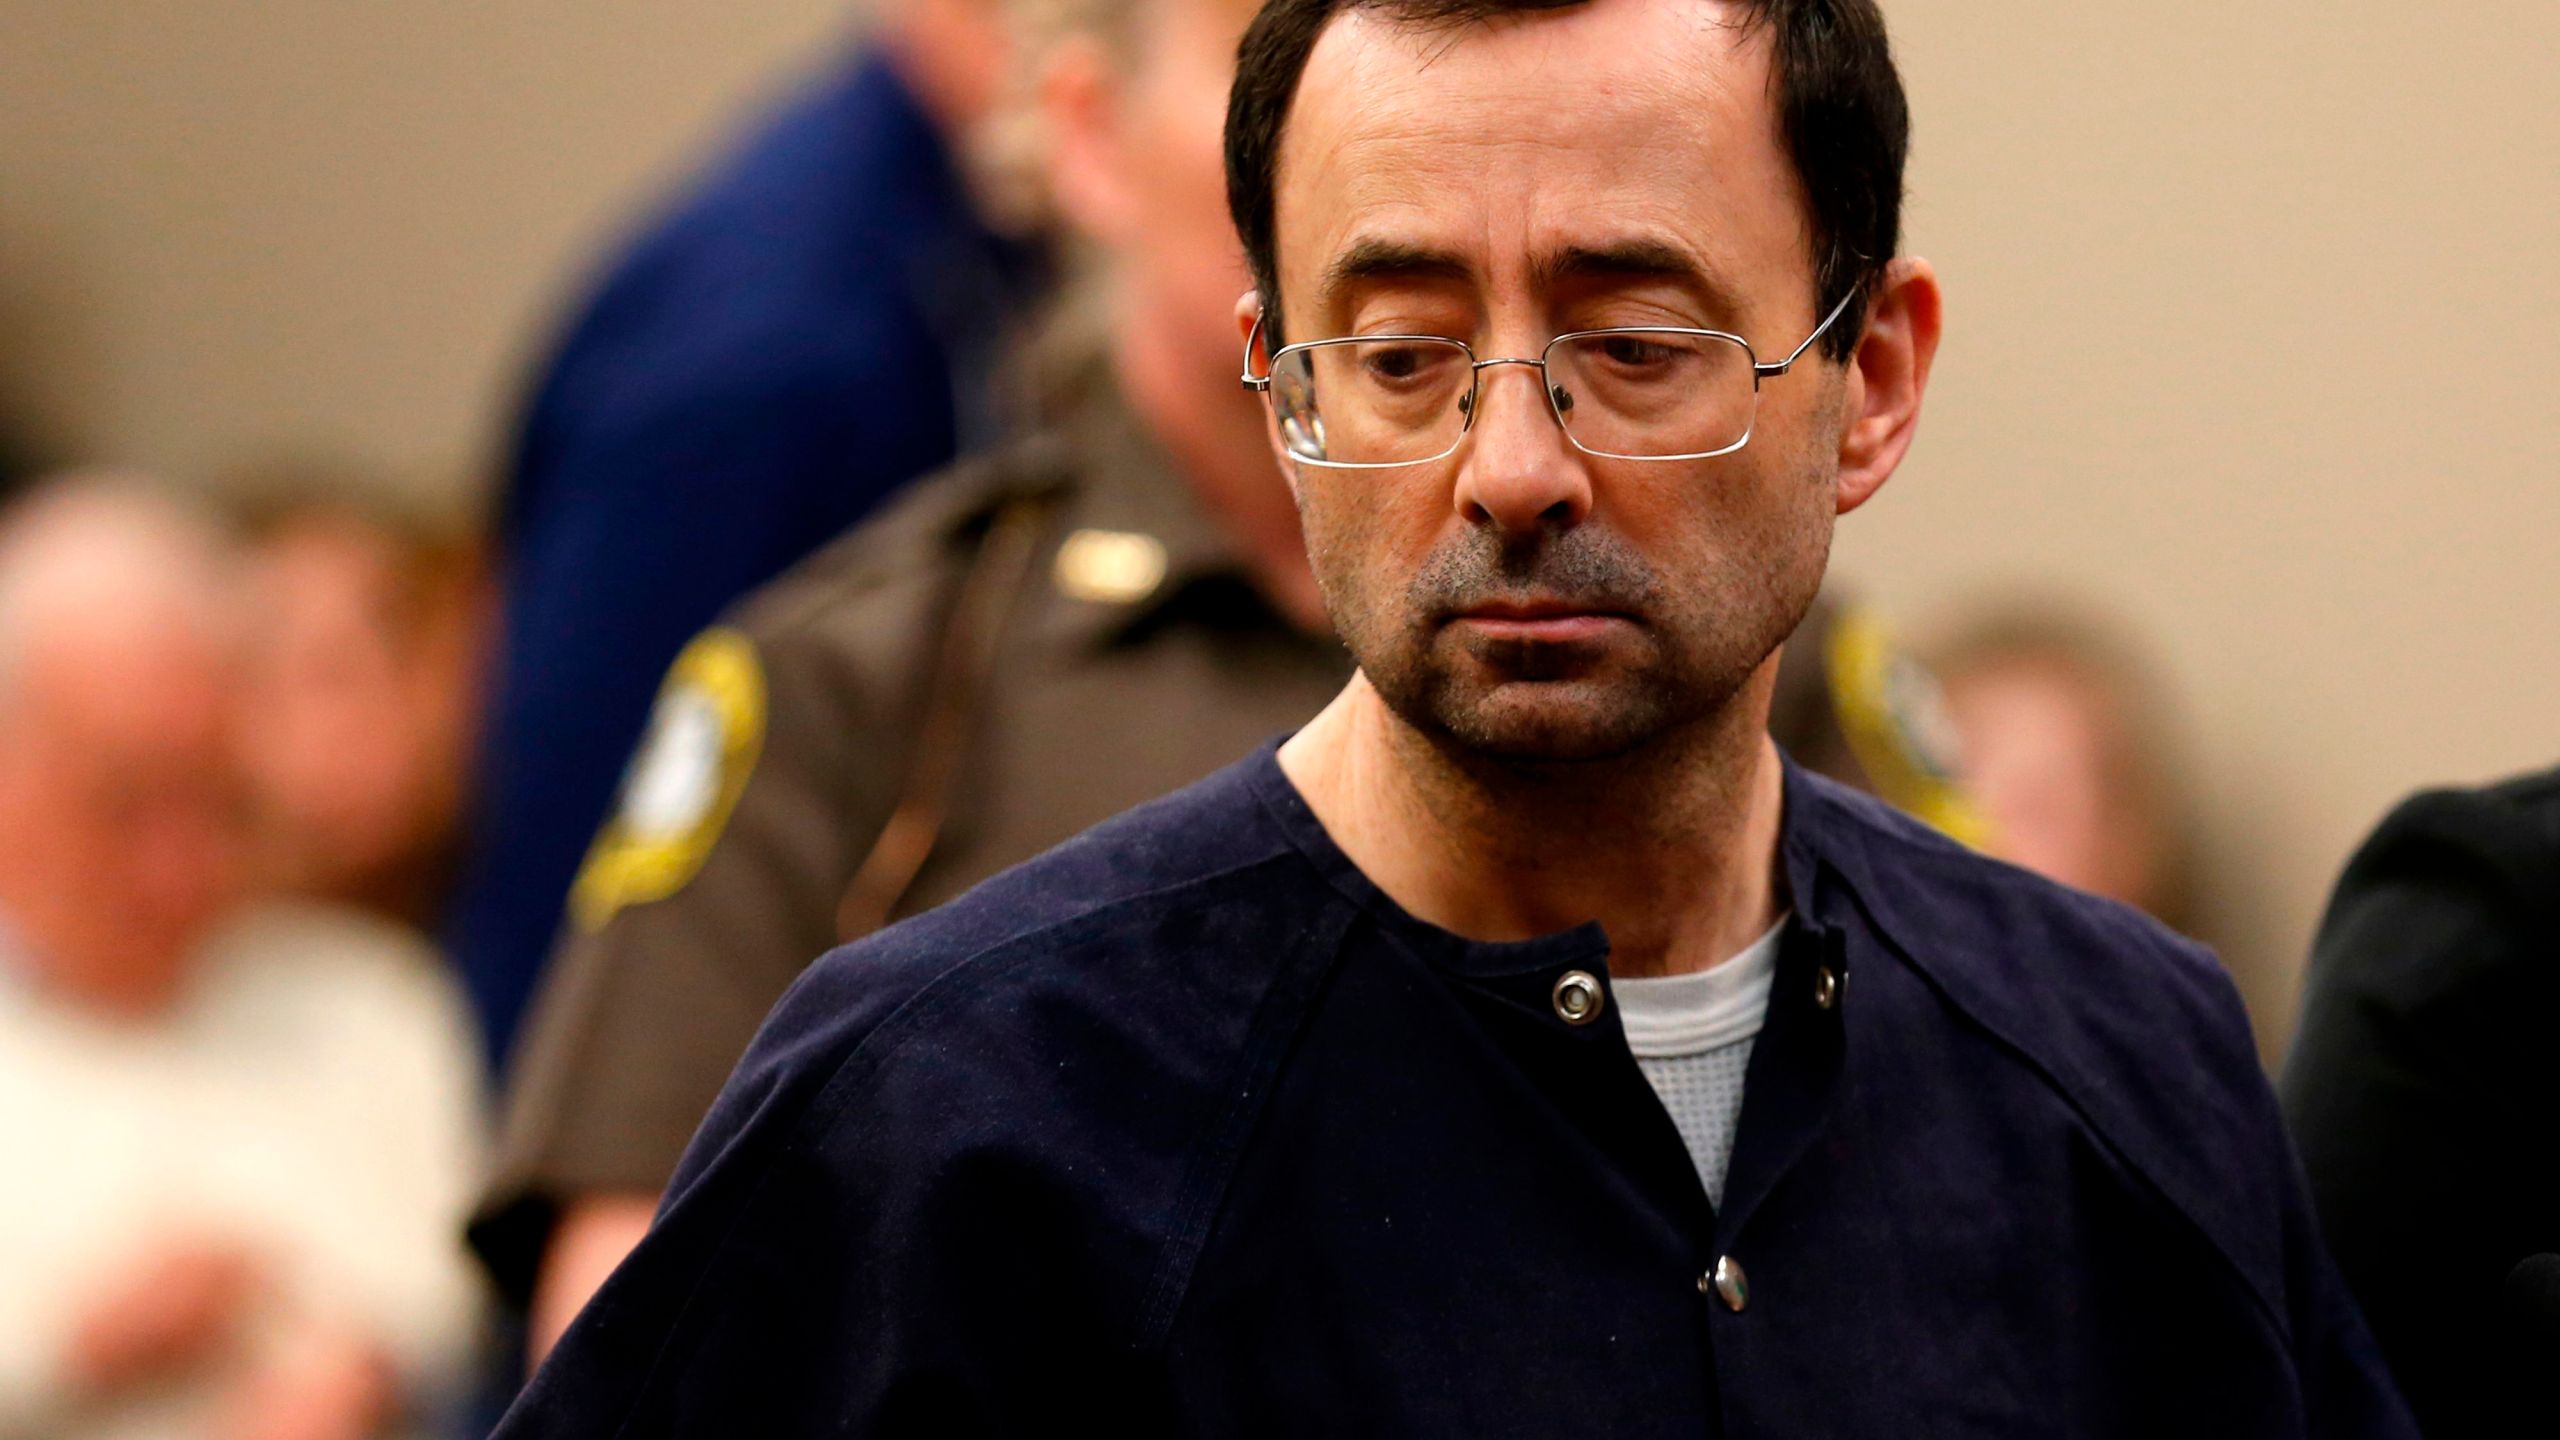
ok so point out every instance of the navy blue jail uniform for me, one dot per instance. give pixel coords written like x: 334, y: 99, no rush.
x: 813, y: 325
x: 1185, y: 1128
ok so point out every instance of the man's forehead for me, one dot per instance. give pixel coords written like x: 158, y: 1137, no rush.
x: 1650, y: 113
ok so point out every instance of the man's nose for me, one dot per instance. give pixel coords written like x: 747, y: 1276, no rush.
x: 1517, y: 472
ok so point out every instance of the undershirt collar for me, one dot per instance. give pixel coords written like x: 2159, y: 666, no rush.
x: 1675, y: 1015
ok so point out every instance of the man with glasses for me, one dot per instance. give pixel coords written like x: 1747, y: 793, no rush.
x: 1032, y: 642
x: 1525, y: 1047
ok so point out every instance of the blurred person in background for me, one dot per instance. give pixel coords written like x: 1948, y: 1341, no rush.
x: 812, y: 324
x: 14, y: 469
x: 238, y: 1138
x: 1036, y: 640
x: 2068, y: 747
x: 2423, y: 1089
x: 364, y: 675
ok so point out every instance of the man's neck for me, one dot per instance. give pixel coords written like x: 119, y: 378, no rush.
x: 953, y: 57
x: 1674, y: 853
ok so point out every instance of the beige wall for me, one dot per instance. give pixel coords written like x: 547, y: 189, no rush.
x: 225, y: 223
x: 2253, y: 335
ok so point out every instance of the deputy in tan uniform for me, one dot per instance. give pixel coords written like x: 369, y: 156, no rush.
x: 1027, y: 644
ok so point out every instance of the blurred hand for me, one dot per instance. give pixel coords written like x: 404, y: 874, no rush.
x: 323, y: 1385
x: 172, y: 1310
x: 594, y: 1234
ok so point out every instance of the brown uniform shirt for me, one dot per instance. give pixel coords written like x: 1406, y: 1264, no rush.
x: 1026, y: 645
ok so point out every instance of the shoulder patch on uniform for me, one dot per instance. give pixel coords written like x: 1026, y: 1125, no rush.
x: 1895, y: 719
x: 704, y: 735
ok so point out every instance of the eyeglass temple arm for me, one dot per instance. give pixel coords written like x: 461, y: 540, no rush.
x: 1776, y: 368
x: 1258, y: 384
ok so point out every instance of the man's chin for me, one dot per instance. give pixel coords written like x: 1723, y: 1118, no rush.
x: 1545, y: 722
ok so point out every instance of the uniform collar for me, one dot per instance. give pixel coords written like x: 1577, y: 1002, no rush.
x: 1809, y: 859
x: 1799, y: 1056
x: 1809, y: 870
x: 1828, y: 842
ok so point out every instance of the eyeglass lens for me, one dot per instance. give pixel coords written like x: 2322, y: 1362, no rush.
x: 1635, y: 394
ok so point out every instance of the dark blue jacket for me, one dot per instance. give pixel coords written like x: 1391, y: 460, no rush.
x: 1185, y: 1128
x: 2424, y: 1090
x: 815, y: 324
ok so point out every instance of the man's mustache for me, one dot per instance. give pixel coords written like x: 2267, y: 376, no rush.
x: 1585, y: 568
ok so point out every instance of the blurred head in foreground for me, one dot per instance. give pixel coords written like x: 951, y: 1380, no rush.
x: 363, y: 681
x: 2068, y: 748
x: 121, y: 824
x: 1131, y: 100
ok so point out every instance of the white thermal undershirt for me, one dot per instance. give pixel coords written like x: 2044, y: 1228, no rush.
x: 1692, y: 1038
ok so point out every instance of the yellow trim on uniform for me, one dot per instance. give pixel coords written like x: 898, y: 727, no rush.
x: 1871, y: 685
x: 638, y: 858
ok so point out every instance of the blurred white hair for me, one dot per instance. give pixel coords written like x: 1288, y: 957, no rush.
x: 97, y: 553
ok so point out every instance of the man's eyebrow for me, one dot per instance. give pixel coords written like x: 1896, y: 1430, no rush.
x: 1631, y: 260
x: 1374, y: 259
x: 1377, y: 259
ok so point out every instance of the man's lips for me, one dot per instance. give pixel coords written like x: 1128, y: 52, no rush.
x: 1550, y: 621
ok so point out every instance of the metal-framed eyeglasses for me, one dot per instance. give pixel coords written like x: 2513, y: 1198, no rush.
x: 1376, y: 402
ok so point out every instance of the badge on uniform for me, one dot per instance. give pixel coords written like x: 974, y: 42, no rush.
x: 1109, y: 567
x: 704, y: 735
x: 1895, y: 720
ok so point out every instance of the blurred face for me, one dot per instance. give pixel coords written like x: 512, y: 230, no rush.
x: 123, y: 813
x: 2038, y: 749
x: 1140, y: 171
x: 1615, y: 165
x: 1184, y: 257
x: 354, y: 734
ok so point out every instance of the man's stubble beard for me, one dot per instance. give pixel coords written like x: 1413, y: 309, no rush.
x: 1700, y: 635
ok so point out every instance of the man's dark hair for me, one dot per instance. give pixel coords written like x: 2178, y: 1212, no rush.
x: 1840, y: 109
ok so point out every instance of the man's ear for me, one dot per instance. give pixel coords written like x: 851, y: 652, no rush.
x: 1257, y: 358
x: 1256, y: 353
x: 1887, y: 377
x: 1086, y: 157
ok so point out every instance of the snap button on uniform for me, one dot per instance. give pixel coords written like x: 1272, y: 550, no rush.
x: 1826, y: 987
x: 1730, y: 1284
x: 1578, y: 997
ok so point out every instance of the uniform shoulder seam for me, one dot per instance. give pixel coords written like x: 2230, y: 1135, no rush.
x: 2204, y: 993
x: 932, y: 1000
x: 2081, y: 1093
x: 1202, y: 1193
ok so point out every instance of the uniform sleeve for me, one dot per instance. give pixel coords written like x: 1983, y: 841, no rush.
x: 2417, y: 1083
x: 651, y: 1001
x: 2346, y: 1389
